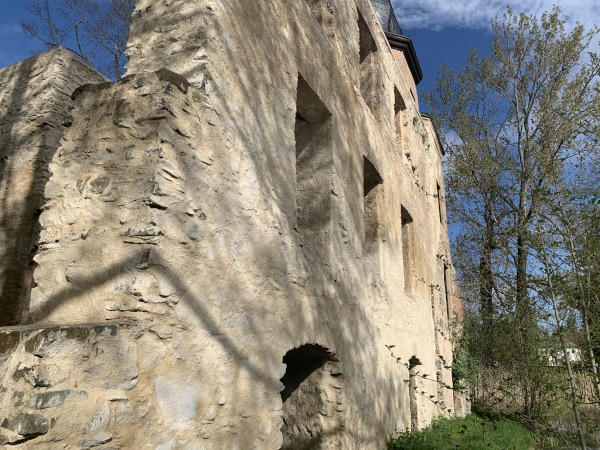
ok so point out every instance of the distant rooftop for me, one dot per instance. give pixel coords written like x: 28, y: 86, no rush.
x: 387, y: 17
x: 396, y: 38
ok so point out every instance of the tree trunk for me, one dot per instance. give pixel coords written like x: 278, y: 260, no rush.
x: 572, y: 382
x: 585, y: 312
x: 486, y: 285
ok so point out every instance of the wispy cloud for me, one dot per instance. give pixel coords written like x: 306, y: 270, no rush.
x: 438, y: 14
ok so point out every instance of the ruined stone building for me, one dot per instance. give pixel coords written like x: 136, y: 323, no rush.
x: 216, y: 251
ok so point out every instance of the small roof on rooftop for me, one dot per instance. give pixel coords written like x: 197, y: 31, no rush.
x: 387, y: 17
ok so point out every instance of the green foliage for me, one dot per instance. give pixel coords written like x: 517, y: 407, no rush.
x: 475, y: 432
x: 521, y: 133
x: 466, y: 366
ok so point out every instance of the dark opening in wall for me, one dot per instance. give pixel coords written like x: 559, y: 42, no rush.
x: 372, y: 192
x: 314, y: 169
x: 447, y: 294
x: 323, y: 12
x: 399, y: 119
x: 440, y: 203
x: 413, y: 386
x: 312, y: 399
x: 370, y: 84
x: 407, y: 250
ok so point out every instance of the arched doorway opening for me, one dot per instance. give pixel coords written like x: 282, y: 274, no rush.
x: 312, y: 399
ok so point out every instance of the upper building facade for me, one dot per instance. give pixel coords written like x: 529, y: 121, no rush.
x: 234, y: 239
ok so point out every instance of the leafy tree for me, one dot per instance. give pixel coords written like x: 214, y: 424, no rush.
x: 567, y: 247
x: 515, y: 123
x: 95, y: 30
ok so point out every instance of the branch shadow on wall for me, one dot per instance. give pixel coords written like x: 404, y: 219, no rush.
x: 19, y: 205
x: 342, y: 319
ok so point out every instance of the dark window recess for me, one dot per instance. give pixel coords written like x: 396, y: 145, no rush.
x: 314, y: 168
x: 440, y: 205
x: 413, y: 386
x: 407, y: 250
x: 399, y: 113
x: 370, y: 84
x: 372, y: 190
x: 447, y: 294
x: 371, y: 177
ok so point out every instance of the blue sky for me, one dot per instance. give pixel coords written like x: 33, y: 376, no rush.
x: 448, y: 46
x: 443, y: 31
x: 14, y: 46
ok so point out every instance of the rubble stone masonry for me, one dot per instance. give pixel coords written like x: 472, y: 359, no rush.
x: 231, y: 237
x: 34, y: 101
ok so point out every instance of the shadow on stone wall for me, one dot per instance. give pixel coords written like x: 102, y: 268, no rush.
x: 33, y: 106
x: 18, y: 224
x: 329, y: 305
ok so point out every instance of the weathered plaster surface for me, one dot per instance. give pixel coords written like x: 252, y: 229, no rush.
x: 207, y: 214
x: 34, y: 100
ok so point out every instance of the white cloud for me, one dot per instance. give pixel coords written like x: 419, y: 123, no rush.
x: 437, y: 14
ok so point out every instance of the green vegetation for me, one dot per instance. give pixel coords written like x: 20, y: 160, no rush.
x: 475, y: 432
x: 521, y: 130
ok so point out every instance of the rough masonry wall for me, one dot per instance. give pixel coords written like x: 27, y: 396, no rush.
x: 67, y: 386
x: 142, y: 226
x: 184, y: 216
x: 35, y: 97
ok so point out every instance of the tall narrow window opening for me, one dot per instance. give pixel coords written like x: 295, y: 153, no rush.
x: 372, y: 189
x: 407, y: 250
x: 414, y: 383
x: 447, y: 295
x: 399, y: 112
x: 369, y: 72
x: 440, y: 205
x: 314, y: 169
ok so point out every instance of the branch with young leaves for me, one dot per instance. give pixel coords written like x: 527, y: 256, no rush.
x: 414, y: 362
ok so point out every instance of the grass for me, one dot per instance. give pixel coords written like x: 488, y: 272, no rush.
x: 475, y: 432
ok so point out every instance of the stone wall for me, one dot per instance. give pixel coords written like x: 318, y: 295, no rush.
x: 35, y: 97
x: 235, y: 234
x: 69, y: 385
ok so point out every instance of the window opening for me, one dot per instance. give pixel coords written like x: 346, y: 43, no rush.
x: 372, y: 189
x: 413, y: 386
x: 399, y: 112
x: 440, y: 205
x: 447, y: 294
x: 407, y: 243
x: 314, y: 167
x: 369, y: 73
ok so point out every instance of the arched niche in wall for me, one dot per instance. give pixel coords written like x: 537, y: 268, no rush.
x: 312, y: 399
